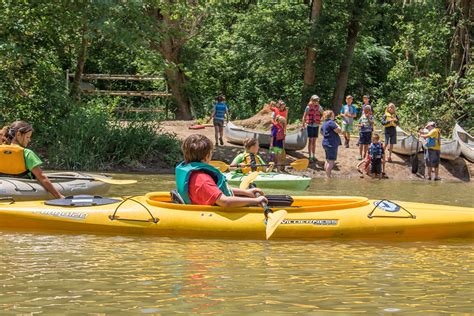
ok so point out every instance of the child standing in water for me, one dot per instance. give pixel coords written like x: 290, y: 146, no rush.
x: 348, y: 113
x: 277, y: 144
x: 311, y: 119
x: 376, y: 154
x: 366, y: 125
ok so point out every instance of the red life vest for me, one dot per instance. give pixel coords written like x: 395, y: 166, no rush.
x: 283, y: 113
x: 280, y: 135
x: 313, y: 116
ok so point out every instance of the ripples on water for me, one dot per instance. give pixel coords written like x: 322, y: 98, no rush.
x: 111, y: 274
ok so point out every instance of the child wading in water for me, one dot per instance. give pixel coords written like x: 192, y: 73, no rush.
x: 250, y: 158
x: 376, y: 154
x: 200, y: 183
x: 390, y: 121
x: 277, y: 144
x: 311, y: 119
x: 218, y: 116
x: 366, y: 125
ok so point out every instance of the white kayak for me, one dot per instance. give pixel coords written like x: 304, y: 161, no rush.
x: 272, y: 180
x: 466, y: 141
x: 29, y: 190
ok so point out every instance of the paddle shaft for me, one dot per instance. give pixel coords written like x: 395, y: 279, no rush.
x: 266, y: 209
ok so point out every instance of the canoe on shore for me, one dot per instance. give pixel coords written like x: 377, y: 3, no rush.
x: 237, y: 134
x: 28, y: 189
x: 466, y: 141
x: 272, y: 180
x: 450, y: 149
x: 406, y: 143
x: 309, y: 217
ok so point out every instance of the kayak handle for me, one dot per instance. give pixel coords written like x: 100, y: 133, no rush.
x: 114, y: 216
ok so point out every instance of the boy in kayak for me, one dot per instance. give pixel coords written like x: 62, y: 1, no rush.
x: 277, y: 142
x: 18, y: 161
x: 200, y: 183
x: 250, y: 158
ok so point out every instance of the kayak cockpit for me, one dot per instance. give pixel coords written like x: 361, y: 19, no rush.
x: 299, y: 203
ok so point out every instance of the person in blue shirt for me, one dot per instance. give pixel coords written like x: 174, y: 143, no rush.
x: 331, y: 140
x: 348, y: 113
x: 219, y: 114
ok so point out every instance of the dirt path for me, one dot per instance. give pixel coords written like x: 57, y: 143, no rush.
x: 399, y: 169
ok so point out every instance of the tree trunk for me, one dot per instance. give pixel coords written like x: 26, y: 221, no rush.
x: 343, y: 75
x: 309, y: 63
x: 75, y: 91
x: 460, y: 43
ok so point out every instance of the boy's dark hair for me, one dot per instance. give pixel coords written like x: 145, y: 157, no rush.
x: 196, y: 147
x: 249, y: 142
x: 8, y: 133
x: 220, y: 98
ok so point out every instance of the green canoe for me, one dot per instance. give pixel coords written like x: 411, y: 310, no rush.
x: 272, y: 180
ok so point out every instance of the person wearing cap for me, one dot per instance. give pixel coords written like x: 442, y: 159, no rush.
x: 390, y: 121
x: 433, y: 149
x: 348, y: 113
x: 311, y: 120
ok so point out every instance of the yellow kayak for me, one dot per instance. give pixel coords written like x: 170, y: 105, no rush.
x: 308, y: 218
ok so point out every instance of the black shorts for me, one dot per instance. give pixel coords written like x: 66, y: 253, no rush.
x: 376, y: 166
x: 365, y: 138
x: 390, y: 135
x: 219, y: 123
x: 432, y: 158
x: 313, y: 131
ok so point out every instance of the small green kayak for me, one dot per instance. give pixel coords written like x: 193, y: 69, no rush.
x: 272, y: 180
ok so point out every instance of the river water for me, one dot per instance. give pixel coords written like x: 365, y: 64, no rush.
x: 61, y: 273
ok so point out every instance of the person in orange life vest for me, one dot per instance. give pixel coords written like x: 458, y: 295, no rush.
x: 280, y: 110
x: 277, y: 143
x: 17, y: 160
x: 199, y: 181
x: 311, y: 120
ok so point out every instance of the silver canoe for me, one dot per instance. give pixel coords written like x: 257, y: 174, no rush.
x: 406, y: 144
x: 450, y: 149
x: 237, y: 134
x: 466, y: 141
x: 26, y: 189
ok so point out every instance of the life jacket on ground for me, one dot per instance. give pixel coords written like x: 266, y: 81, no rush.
x: 388, y: 116
x: 183, y: 173
x: 252, y: 160
x: 280, y: 135
x: 313, y: 116
x: 375, y: 151
x: 12, y: 161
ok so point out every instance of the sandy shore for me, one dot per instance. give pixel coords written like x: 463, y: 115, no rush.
x: 399, y: 169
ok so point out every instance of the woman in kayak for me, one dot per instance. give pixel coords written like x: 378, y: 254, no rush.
x: 250, y: 158
x: 200, y: 183
x: 18, y: 161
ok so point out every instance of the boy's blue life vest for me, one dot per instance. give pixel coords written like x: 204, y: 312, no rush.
x: 220, y: 110
x: 375, y: 151
x: 183, y: 174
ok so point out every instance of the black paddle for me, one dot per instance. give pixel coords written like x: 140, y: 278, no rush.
x: 414, y: 158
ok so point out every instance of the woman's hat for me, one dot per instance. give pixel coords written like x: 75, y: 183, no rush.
x: 314, y: 97
x: 430, y: 124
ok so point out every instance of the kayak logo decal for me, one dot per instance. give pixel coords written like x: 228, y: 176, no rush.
x: 63, y: 214
x: 387, y: 206
x: 317, y: 222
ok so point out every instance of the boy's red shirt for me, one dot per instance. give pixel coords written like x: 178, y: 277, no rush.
x: 202, y: 189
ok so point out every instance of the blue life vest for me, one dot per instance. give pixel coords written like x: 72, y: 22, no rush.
x: 220, y: 110
x: 183, y: 174
x: 375, y: 151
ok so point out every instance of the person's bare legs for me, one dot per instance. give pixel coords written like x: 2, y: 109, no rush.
x: 390, y: 148
x: 436, y: 172
x: 328, y: 165
x: 216, y: 134
x: 221, y: 132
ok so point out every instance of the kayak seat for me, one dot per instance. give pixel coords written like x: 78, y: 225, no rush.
x: 176, y: 198
x: 279, y: 200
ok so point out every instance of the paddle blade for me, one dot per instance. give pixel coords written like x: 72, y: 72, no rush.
x: 300, y: 164
x: 222, y: 166
x: 273, y: 221
x: 244, y: 185
x: 115, y: 181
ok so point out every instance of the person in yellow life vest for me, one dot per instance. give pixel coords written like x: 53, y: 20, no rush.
x: 390, y: 121
x: 433, y: 149
x: 18, y: 161
x: 250, y: 159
